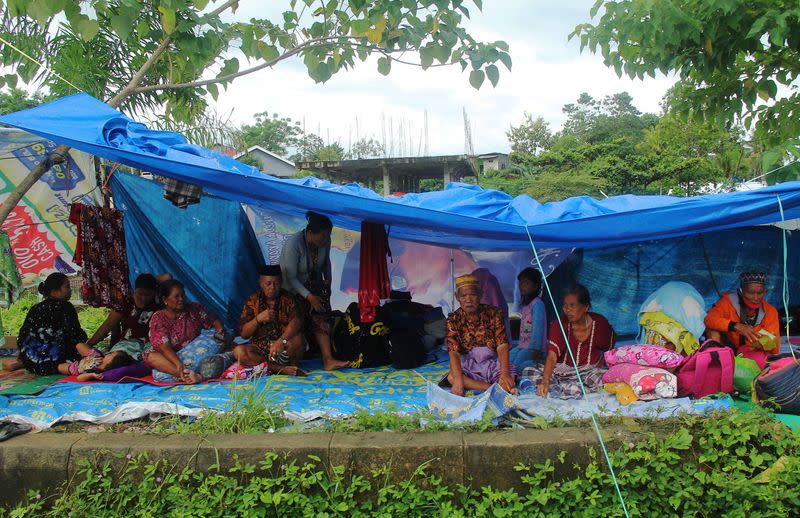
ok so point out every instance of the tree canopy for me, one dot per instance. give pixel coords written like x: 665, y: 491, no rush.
x: 607, y: 146
x: 736, y: 59
x: 174, y: 54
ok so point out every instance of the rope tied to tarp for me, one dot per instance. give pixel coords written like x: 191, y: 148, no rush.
x: 580, y: 379
x: 785, y: 278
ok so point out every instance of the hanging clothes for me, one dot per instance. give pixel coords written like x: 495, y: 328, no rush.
x: 106, y: 282
x: 10, y: 278
x: 373, y: 273
x: 75, y: 219
x: 181, y: 194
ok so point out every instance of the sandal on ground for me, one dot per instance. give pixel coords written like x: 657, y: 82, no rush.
x: 9, y: 430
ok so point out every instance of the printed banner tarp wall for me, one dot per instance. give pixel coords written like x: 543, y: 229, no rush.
x: 42, y: 238
x: 426, y: 271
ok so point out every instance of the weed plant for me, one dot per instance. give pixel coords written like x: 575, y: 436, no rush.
x: 743, y: 465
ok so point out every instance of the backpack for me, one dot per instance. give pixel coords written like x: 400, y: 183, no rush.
x: 364, y: 344
x: 407, y: 327
x: 779, y: 385
x: 708, y: 371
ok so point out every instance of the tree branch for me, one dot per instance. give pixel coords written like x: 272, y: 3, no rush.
x: 300, y: 48
x: 131, y: 87
x: 229, y: 77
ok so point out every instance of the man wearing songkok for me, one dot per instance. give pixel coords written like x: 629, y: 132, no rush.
x: 477, y: 343
x: 745, y: 320
x: 271, y: 320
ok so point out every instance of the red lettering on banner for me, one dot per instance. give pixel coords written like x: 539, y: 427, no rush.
x: 33, y: 248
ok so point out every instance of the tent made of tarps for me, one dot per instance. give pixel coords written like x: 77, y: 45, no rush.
x: 459, y: 216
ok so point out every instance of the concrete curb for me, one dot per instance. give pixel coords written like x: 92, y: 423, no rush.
x: 46, y: 461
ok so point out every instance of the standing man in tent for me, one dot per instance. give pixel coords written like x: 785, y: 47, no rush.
x: 745, y: 320
x: 306, y: 268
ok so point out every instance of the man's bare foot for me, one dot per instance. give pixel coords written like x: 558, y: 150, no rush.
x: 333, y: 364
x: 11, y: 365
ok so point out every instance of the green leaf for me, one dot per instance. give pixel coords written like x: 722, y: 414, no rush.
x: 425, y: 57
x: 384, y: 66
x: 359, y: 27
x: 505, y: 59
x: 441, y: 53
x: 268, y: 52
x: 87, y: 28
x: 122, y: 25
x: 167, y: 19
x: 493, y: 74
x: 476, y: 78
x: 479, y: 3
x: 200, y: 4
x: 213, y: 90
x: 11, y: 80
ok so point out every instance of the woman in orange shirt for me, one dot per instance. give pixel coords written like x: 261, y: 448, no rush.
x: 738, y: 318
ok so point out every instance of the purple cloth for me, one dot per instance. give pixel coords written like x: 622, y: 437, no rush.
x: 135, y: 370
x: 482, y: 364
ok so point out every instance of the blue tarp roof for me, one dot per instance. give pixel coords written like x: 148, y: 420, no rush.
x: 463, y: 216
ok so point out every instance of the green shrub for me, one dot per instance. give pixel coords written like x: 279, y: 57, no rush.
x: 732, y: 464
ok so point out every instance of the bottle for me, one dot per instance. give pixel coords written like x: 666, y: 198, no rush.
x: 526, y: 386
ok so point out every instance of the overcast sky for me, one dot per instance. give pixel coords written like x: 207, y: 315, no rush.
x: 548, y: 71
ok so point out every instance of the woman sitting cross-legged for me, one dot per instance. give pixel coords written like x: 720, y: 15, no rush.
x: 588, y: 336
x: 177, y: 344
x: 477, y: 342
x: 51, y: 333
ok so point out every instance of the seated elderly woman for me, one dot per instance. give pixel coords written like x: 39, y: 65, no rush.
x: 745, y: 320
x: 477, y: 342
x: 177, y: 344
x: 130, y: 327
x: 588, y: 335
x: 51, y: 333
x: 271, y: 320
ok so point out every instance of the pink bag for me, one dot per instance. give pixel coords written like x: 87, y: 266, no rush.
x: 644, y: 354
x: 646, y: 382
x: 708, y: 371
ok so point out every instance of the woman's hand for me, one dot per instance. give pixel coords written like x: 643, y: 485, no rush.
x: 275, y: 349
x: 506, y: 383
x: 268, y: 315
x: 749, y: 332
x: 316, y: 303
x: 543, y: 388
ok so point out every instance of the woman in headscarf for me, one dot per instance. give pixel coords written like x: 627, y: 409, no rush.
x: 477, y: 343
x: 306, y: 271
x: 745, y: 320
x: 588, y: 336
x: 51, y: 332
x: 178, y: 343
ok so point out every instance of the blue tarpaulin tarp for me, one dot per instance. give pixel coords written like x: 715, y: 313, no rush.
x: 460, y: 216
x: 218, y: 264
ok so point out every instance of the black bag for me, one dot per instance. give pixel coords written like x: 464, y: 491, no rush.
x: 407, y: 349
x: 364, y: 344
x: 778, y: 386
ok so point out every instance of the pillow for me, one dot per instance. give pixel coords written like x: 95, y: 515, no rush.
x: 647, y: 383
x: 643, y: 354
